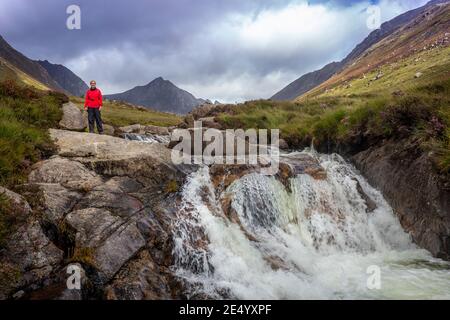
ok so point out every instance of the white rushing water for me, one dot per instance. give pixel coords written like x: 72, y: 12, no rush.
x: 315, y: 242
x: 149, y: 138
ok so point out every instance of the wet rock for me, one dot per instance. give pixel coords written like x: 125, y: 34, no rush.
x: 305, y: 164
x: 223, y: 175
x: 134, y: 128
x: 409, y: 182
x: 370, y: 204
x: 72, y: 118
x: 283, y: 145
x: 148, y: 129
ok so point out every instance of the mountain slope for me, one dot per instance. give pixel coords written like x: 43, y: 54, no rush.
x: 315, y: 78
x: 414, y: 54
x: 65, y: 78
x: 161, y: 95
x: 16, y: 59
x: 9, y: 72
x: 307, y: 82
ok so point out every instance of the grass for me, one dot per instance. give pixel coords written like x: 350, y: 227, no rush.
x: 172, y: 186
x: 25, y: 116
x: 83, y: 255
x: 120, y: 114
x: 394, y: 106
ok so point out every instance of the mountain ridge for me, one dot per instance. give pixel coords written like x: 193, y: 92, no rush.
x: 159, y: 94
x: 40, y: 74
x: 27, y: 65
x: 65, y: 78
x: 312, y: 79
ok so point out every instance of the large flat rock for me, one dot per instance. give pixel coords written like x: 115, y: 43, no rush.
x: 104, y: 147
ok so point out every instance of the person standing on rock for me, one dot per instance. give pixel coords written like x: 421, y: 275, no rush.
x: 93, y: 104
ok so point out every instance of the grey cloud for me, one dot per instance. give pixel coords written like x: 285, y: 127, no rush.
x: 128, y: 43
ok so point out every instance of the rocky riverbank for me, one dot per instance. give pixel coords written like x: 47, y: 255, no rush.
x: 108, y: 205
x: 104, y: 203
x: 418, y: 194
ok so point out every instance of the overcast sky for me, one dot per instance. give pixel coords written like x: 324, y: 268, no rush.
x: 229, y: 50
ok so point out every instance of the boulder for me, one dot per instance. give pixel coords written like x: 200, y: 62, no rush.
x: 113, y: 197
x: 27, y: 256
x: 72, y: 118
x: 113, y: 240
x: 302, y: 163
x: 142, y: 279
x: 68, y: 173
x: 21, y: 205
x: 108, y: 129
x: 163, y: 131
x: 27, y: 259
x: 134, y: 128
x: 283, y: 144
x: 56, y: 200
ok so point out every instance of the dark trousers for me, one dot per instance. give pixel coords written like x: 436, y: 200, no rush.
x: 95, y: 115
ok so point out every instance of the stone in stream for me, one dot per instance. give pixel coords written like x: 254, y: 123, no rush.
x: 148, y: 129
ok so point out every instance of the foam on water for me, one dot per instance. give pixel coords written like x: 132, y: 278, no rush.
x: 315, y: 241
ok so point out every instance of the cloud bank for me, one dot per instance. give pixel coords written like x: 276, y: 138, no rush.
x: 229, y: 50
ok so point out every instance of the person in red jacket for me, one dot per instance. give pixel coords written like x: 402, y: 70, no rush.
x: 93, y: 104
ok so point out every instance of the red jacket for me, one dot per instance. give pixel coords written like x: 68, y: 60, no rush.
x: 94, y: 98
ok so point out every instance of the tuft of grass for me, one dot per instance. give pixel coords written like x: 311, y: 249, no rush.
x: 25, y: 116
x: 83, y: 255
x: 172, y: 186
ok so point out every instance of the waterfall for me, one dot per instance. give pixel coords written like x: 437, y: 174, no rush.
x: 149, y: 138
x: 315, y: 240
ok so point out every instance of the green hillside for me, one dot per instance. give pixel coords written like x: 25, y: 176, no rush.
x: 25, y: 116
